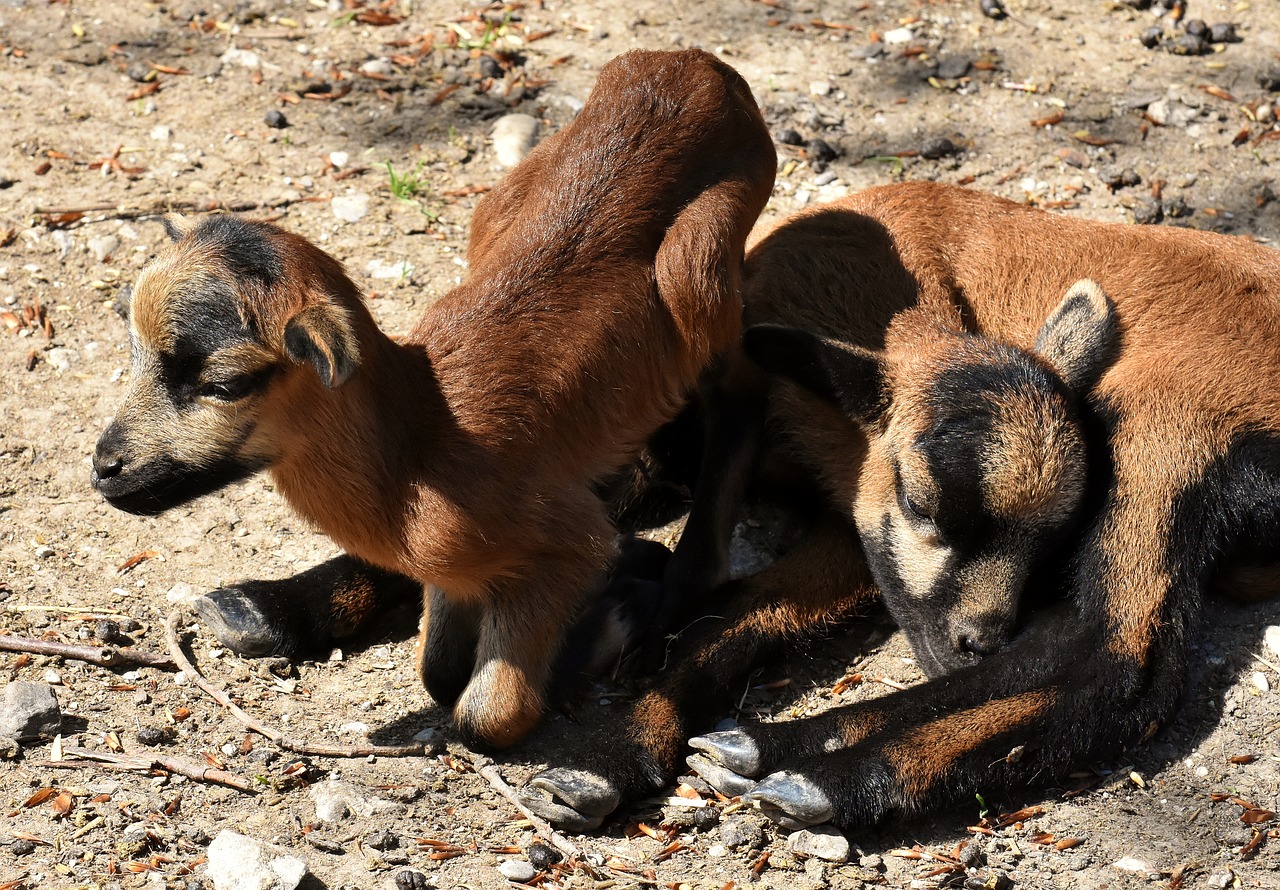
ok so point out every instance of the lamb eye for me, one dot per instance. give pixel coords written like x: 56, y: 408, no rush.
x: 232, y: 389
x: 911, y: 508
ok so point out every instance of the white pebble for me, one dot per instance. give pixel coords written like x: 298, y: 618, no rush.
x: 819, y: 87
x: 1260, y: 680
x: 514, y: 136
x: 350, y: 208
x: 339, y: 158
x: 518, y: 870
x: 181, y: 678
x: 899, y: 35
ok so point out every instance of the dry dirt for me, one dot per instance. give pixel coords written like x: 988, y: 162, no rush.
x: 114, y: 112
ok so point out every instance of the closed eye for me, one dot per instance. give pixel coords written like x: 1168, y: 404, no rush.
x: 235, y: 387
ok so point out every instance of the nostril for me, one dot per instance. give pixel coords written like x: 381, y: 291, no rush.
x: 106, y: 466
x: 975, y: 644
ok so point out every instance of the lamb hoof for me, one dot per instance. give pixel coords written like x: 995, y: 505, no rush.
x: 572, y: 799
x: 733, y: 749
x: 791, y: 800
x: 726, y: 781
x: 240, y: 624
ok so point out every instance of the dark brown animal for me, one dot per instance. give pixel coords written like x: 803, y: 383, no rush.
x: 902, y: 296
x: 604, y: 278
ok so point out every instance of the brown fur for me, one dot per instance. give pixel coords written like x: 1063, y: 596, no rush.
x: 1171, y: 473
x: 604, y: 278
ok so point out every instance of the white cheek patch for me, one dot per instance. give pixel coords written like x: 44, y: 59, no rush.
x: 919, y: 562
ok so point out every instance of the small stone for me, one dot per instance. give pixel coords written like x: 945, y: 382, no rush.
x: 152, y: 736
x: 5, y: 182
x: 108, y: 632
x: 1148, y: 212
x: 718, y: 851
x: 820, y: 150
x: 240, y: 58
x: 952, y: 67
x: 737, y: 833
x: 1119, y: 178
x: 393, y: 271
x: 180, y: 592
x: 1151, y: 37
x: 1223, y: 32
x: 1196, y: 27
x: 1261, y: 682
x: 822, y: 841
x: 489, y: 67
x: 788, y: 136
x: 30, y: 710
x: 543, y: 857
x: 873, y: 861
x: 518, y: 871
x: 514, y: 136
x: 22, y: 847
x: 867, y: 51
x: 1177, y: 208
x: 706, y: 817
x: 140, y: 72
x: 275, y: 119
x: 898, y: 35
x: 431, y: 739
x: 339, y: 158
x: 332, y: 800
x: 103, y: 246
x: 1187, y: 45
x: 1269, y: 80
x: 409, y: 879
x: 938, y: 147
x: 237, y: 862
x: 350, y: 208
x: 1072, y: 157
x: 819, y: 88
x: 378, y: 66
x: 382, y: 840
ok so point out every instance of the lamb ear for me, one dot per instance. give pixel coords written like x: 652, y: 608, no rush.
x: 175, y: 225
x: 322, y: 337
x: 849, y: 377
x: 1080, y: 336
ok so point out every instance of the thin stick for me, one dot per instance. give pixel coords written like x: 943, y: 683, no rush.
x: 488, y: 770
x: 114, y: 211
x: 104, y: 656
x: 181, y: 766
x: 275, y: 735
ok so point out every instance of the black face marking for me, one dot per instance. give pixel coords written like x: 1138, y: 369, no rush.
x: 207, y: 323
x: 164, y: 483
x: 245, y: 247
x: 964, y: 402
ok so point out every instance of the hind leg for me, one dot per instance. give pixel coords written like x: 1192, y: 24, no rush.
x: 822, y: 579
x: 306, y: 614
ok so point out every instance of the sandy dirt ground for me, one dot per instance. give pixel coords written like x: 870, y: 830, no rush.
x: 113, y: 113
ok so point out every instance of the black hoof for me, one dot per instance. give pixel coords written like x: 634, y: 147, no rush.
x: 573, y: 799
x: 724, y: 780
x: 733, y: 749
x: 791, y: 800
x: 240, y: 624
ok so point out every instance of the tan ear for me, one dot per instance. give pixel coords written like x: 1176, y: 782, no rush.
x: 1080, y: 336
x: 175, y: 225
x: 322, y: 336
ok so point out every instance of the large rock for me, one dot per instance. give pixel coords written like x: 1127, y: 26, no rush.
x: 30, y: 710
x: 237, y: 862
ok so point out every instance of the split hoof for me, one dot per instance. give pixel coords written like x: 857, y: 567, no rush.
x: 732, y: 749
x: 240, y: 624
x: 572, y: 799
x: 724, y: 780
x: 791, y: 800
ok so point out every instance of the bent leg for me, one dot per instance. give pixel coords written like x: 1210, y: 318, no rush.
x: 822, y: 579
x: 306, y: 614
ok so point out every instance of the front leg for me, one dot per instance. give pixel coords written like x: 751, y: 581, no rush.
x: 822, y: 579
x: 306, y: 614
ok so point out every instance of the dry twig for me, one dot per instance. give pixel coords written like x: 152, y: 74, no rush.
x: 103, y: 656
x: 252, y: 723
x: 488, y: 770
x: 73, y: 757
